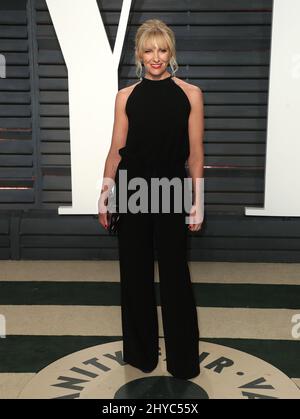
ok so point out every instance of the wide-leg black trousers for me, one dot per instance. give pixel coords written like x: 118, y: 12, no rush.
x: 138, y: 234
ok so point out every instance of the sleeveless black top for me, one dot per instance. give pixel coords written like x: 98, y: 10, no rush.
x: 158, y: 112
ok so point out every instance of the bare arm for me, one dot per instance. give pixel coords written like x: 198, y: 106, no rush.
x: 119, y: 135
x: 196, y: 156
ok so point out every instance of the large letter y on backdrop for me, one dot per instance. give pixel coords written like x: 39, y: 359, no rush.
x: 282, y: 177
x: 93, y: 84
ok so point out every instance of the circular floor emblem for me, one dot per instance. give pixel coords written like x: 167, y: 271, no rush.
x: 99, y: 372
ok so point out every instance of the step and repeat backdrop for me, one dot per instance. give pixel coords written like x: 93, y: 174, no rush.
x: 62, y: 63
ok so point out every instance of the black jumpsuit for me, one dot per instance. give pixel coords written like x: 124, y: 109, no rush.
x: 157, y: 145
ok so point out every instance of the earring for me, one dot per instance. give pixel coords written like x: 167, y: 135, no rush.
x: 172, y: 71
x: 141, y: 77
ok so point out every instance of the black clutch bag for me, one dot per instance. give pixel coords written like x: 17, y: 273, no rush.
x: 113, y: 223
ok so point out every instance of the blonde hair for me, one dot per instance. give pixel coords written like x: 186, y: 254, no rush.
x: 154, y: 30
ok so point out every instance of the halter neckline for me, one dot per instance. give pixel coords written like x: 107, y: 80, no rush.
x: 157, y: 81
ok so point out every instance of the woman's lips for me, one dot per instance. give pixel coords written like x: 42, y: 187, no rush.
x: 155, y: 65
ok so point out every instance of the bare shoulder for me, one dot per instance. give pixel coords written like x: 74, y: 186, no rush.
x: 122, y: 96
x: 193, y: 92
x: 125, y: 92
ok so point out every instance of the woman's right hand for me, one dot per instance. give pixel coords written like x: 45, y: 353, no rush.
x: 103, y: 215
x: 103, y: 219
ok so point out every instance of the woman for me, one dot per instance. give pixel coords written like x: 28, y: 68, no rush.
x: 158, y: 126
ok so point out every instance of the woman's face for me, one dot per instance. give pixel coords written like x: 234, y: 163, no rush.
x: 155, y: 59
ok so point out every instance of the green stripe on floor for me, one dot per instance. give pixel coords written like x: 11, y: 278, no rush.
x: 29, y: 354
x: 107, y: 294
